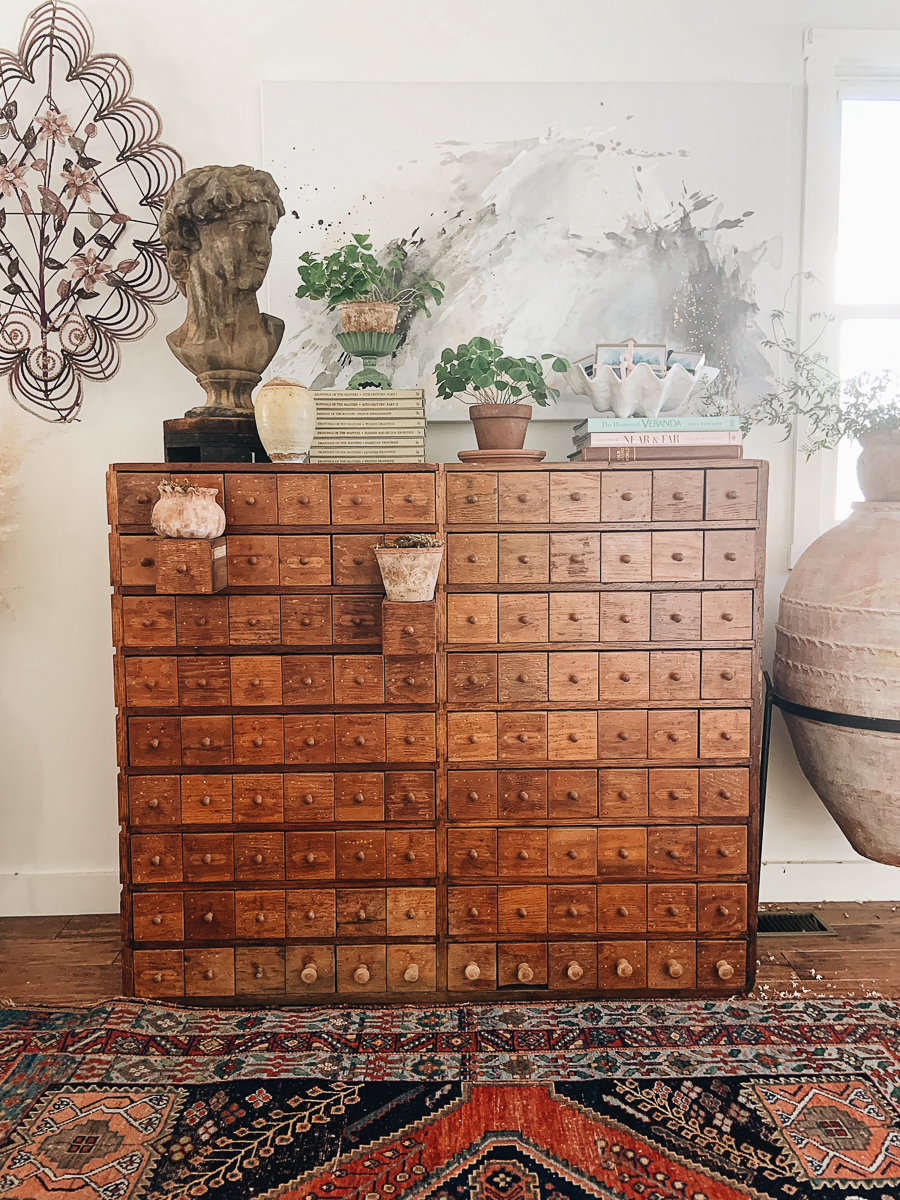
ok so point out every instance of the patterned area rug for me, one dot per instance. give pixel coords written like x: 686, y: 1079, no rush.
x: 634, y: 1100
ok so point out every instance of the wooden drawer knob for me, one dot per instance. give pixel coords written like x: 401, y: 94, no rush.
x: 523, y: 737
x: 524, y: 618
x: 622, y: 735
x: 411, y: 914
x: 675, y: 676
x: 573, y: 737
x: 182, y: 569
x: 258, y: 859
x: 521, y: 679
x: 471, y: 499
x: 576, y: 558
x: 409, y: 630
x: 309, y: 798
x: 525, y: 558
x: 207, y: 859
x: 411, y: 974
x: 257, y: 741
x: 358, y: 797
x: 251, y: 500
x: 361, y: 975
x: 676, y: 617
x: 523, y: 855
x: 309, y: 974
x: 624, y: 558
x: 575, y: 496
x: 723, y: 852
x: 206, y: 741
x: 310, y: 858
x: 306, y: 621
x: 724, y: 794
x: 304, y: 500
x: 147, y: 623
x: 624, y: 618
x: 157, y: 977
x: 147, y: 562
x: 523, y: 497
x: 624, y: 969
x: 472, y: 971
x: 522, y: 795
x: 360, y: 740
x: 209, y: 918
x: 725, y: 735
x: 730, y: 556
x: 260, y: 918
x: 257, y: 800
x: 473, y: 620
x: 574, y: 971
x: 727, y: 616
x: 356, y: 620
x: 311, y: 916
x: 357, y: 500
x: 572, y: 795
x: 208, y: 974
x: 307, y: 681
x: 623, y: 853
x: 731, y: 495
x: 153, y: 743
x: 259, y: 973
x: 574, y: 616
x: 200, y: 621
x: 673, y: 737
x: 572, y: 911
x: 473, y: 796
x: 473, y: 558
x: 304, y: 562
x: 252, y: 622
x: 202, y: 683
x: 150, y: 683
x: 361, y: 915
x: 524, y: 973
x: 252, y: 560
x: 674, y: 968
x: 626, y: 496
x: 622, y: 911
x: 672, y: 910
x: 157, y: 920
x: 473, y: 738
x: 473, y: 912
x: 677, y: 556
x: 154, y: 803
x: 624, y: 794
x: 358, y: 560
x: 360, y: 856
x: 409, y: 680
x: 723, y: 910
x: 625, y: 677
x: 410, y: 856
x: 521, y: 912
x: 673, y: 853
x: 155, y: 860
x: 673, y: 795
x: 573, y: 854
x: 310, y: 741
x: 409, y: 499
x: 678, y: 495
x: 410, y: 739
x: 727, y: 675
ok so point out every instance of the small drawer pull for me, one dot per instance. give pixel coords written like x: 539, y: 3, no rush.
x: 473, y: 620
x: 206, y: 801
x: 147, y: 622
x: 473, y: 738
x: 572, y: 795
x: 473, y: 912
x: 623, y: 853
x: 259, y: 973
x: 624, y: 794
x: 358, y: 797
x: 154, y: 803
x: 574, y: 616
x: 523, y: 497
x: 672, y: 910
x: 573, y: 854
x: 523, y: 854
x: 147, y: 562
x: 207, y: 858
x: 409, y: 797
x: 409, y: 630
x: 303, y: 500
x: 523, y: 737
x: 626, y: 496
x: 524, y: 974
x: 576, y: 558
x: 258, y: 859
x: 361, y: 975
x: 673, y: 795
x: 674, y: 737
x: 521, y: 912
x: 311, y: 916
x: 728, y: 675
x: 624, y: 969
x: 202, y: 683
x: 625, y: 619
x: 304, y: 561
x: 575, y: 496
x: 574, y: 971
x: 523, y: 795
x: 678, y: 495
x: 358, y: 560
x: 622, y: 735
x: 157, y: 977
x: 624, y: 558
x: 357, y: 621
x: 472, y: 796
x: 409, y: 680
x: 411, y: 914
x: 252, y: 560
x: 182, y: 569
x: 251, y: 500
x: 310, y: 858
x: 727, y: 616
x: 472, y: 499
x: 410, y: 739
x: 524, y: 558
x: 200, y: 621
x: 472, y: 680
x: 153, y: 743
x: 309, y: 798
x: 573, y: 737
x: 673, y: 853
x: 674, y: 968
x: 411, y: 974
x: 257, y: 741
x: 257, y: 800
x: 730, y: 556
x: 150, y: 683
x: 357, y: 500
x: 677, y: 556
x: 157, y: 920
x: 622, y: 911
x: 723, y: 910
x: 361, y: 915
x: 521, y: 679
x: 676, y: 617
x: 731, y: 495
x: 360, y: 856
x: 472, y: 971
x: 252, y: 622
x: 524, y: 618
x: 410, y: 856
x: 306, y: 621
x: 675, y: 676
x: 309, y: 974
x: 359, y: 740
x: 307, y: 681
x: 473, y: 558
x: 723, y: 852
x: 409, y: 499
x: 473, y: 854
x: 572, y: 912
x: 155, y: 860
x: 625, y: 677
x: 725, y: 735
x: 260, y: 918
x: 310, y: 741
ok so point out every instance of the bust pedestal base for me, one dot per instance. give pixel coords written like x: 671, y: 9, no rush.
x: 213, y: 439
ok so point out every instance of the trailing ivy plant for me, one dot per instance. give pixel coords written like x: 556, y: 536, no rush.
x: 353, y: 272
x: 481, y: 373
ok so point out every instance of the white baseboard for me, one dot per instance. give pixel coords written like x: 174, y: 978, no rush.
x: 58, y: 894
x: 803, y: 882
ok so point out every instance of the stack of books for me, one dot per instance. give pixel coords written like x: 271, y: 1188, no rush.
x: 633, y: 439
x: 369, y: 426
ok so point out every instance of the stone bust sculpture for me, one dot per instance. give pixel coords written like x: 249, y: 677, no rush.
x: 216, y: 225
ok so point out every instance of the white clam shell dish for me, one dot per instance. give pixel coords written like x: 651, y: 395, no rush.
x: 642, y: 393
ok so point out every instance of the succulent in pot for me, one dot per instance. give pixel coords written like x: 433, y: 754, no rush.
x: 409, y: 565
x: 499, y: 388
x: 184, y: 511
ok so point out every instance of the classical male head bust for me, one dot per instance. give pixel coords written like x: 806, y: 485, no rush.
x: 216, y: 225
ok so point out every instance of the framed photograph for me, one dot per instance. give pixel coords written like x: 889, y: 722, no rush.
x: 623, y: 357
x: 690, y: 360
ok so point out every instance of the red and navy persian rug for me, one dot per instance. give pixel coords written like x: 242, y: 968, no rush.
x: 634, y: 1100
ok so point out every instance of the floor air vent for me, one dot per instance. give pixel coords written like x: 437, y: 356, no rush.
x: 792, y: 922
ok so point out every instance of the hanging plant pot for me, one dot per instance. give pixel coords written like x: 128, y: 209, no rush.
x: 409, y: 573
x: 500, y: 426
x: 368, y: 316
x: 183, y: 511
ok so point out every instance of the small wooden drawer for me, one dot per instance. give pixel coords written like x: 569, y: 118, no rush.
x: 306, y: 620
x: 307, y: 678
x: 521, y: 736
x: 521, y: 678
x: 150, y: 682
x: 575, y: 557
x: 626, y: 495
x: 309, y: 738
x: 409, y: 795
x: 621, y: 966
x: 309, y: 855
x: 722, y: 965
x: 409, y: 498
x: 725, y: 733
x: 472, y: 966
x: 209, y: 971
x: 574, y: 496
x: 722, y: 849
x: 522, y: 852
x: 153, y: 800
x: 251, y: 499
x: 672, y: 850
x: 572, y: 966
x: 571, y: 794
x: 524, y: 497
x: 677, y: 496
x: 624, y: 675
x: 731, y: 494
x: 522, y: 617
x: 259, y: 914
x: 574, y: 617
x: 472, y: 852
x: 308, y: 798
x: 409, y: 679
x: 356, y: 619
x: 472, y: 558
x: 571, y: 851
x: 359, y: 737
x: 206, y: 799
x: 671, y: 907
x: 729, y: 554
x: 359, y: 854
x: 158, y: 973
x: 673, y: 792
x: 410, y: 854
x: 154, y: 741
x: 258, y: 741
x: 136, y: 493
x: 189, y: 566
x: 471, y: 736
x: 571, y: 735
x: 204, y: 680
x: 411, y: 912
x: 625, y: 616
x: 671, y: 965
x: 573, y: 677
x: 472, y: 678
x: 623, y: 794
x: 472, y: 618
x: 675, y: 675
x: 727, y: 616
x: 358, y: 679
x: 411, y: 968
x: 359, y: 796
x: 410, y: 737
x: 157, y: 917
x: 303, y: 499
x: 472, y: 795
x: 258, y: 799
x: 253, y: 561
x: 208, y: 857
x: 357, y: 500
x: 254, y: 620
x: 202, y: 620
x: 672, y: 733
x: 572, y: 908
x: 472, y: 911
x: 305, y: 561
x: 621, y: 908
x: 675, y: 616
x: 625, y: 557
x: 310, y: 912
x: 521, y: 795
x: 523, y: 558
x: 256, y: 680
x: 206, y: 741
x: 622, y: 733
x: 722, y: 907
x: 409, y: 628
x: 309, y: 969
x: 521, y: 965
x: 148, y: 621
x: 208, y: 916
x: 353, y: 560
x: 258, y: 857
x: 259, y: 971
x: 621, y: 850
x: 725, y: 792
x: 726, y: 675
x: 471, y: 498
x: 361, y: 969
x: 676, y: 555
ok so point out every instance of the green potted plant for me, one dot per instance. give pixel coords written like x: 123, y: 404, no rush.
x: 499, y: 388
x: 409, y: 565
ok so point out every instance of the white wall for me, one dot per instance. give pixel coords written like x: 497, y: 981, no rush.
x: 201, y: 62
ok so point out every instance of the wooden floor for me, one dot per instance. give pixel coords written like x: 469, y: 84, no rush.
x: 60, y: 960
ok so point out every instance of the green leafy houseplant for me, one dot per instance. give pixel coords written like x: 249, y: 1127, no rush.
x: 481, y: 373
x: 353, y: 273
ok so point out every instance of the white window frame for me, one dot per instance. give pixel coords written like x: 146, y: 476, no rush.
x: 841, y: 64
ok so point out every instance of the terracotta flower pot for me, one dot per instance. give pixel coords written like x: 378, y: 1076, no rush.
x: 409, y: 574
x: 500, y: 426
x: 187, y: 512
x: 368, y: 316
x: 878, y: 466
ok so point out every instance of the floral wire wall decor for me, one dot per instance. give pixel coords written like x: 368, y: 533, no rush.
x: 83, y: 175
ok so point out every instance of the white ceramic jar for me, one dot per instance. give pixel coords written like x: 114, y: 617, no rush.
x: 286, y: 419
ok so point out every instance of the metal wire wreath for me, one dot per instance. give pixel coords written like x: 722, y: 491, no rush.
x: 83, y: 175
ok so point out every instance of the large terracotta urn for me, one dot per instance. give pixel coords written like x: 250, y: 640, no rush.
x: 838, y: 650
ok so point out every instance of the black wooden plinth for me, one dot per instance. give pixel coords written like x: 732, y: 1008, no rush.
x: 213, y: 439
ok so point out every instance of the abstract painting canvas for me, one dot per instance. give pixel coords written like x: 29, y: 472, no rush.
x: 557, y: 215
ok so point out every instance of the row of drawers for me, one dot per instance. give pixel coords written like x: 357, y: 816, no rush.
x: 316, y: 738
x: 477, y: 497
x: 474, y: 851
x: 487, y: 910
x: 307, y: 798
x: 475, y: 966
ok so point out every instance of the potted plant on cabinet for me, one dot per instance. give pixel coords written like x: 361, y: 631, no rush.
x: 499, y: 388
x: 409, y: 565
